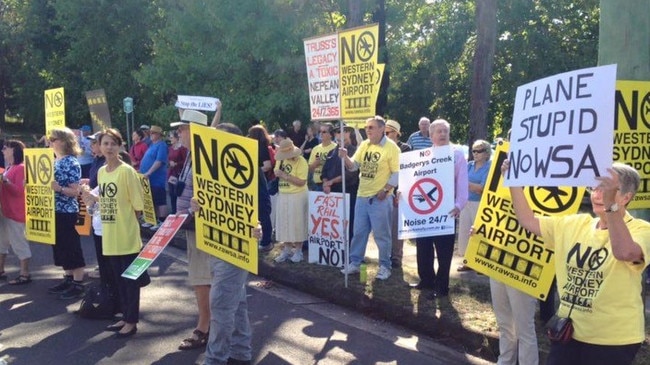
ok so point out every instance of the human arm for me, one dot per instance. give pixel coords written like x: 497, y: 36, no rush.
x: 217, y: 116
x: 524, y: 213
x: 624, y: 247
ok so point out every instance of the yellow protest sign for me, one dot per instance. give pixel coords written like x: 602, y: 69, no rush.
x: 360, y: 75
x: 225, y: 178
x: 500, y: 248
x: 632, y: 134
x: 39, y: 196
x: 54, y: 109
x: 149, y: 213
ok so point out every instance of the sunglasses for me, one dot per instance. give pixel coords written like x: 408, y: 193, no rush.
x: 478, y: 151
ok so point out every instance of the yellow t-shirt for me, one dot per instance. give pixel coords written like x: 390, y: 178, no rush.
x: 297, y: 168
x: 320, y: 152
x: 120, y: 195
x: 608, y: 308
x: 376, y: 163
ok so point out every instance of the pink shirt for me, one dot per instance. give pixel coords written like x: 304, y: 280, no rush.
x: 12, y: 194
x: 460, y: 178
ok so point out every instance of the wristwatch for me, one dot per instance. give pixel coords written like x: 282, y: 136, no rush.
x: 612, y: 208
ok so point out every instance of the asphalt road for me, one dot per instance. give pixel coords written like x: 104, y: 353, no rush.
x: 289, y: 327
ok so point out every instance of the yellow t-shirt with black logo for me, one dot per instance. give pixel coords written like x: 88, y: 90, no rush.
x: 320, y: 152
x: 120, y: 196
x: 297, y: 168
x: 608, y: 307
x: 376, y: 163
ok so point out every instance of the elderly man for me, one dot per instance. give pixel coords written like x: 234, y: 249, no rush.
x: 393, y: 131
x: 296, y: 134
x: 420, y: 139
x: 377, y: 160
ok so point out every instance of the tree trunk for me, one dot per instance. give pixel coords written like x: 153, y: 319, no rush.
x: 486, y: 37
x: 355, y: 15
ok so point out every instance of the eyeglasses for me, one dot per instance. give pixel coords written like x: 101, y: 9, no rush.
x: 595, y: 189
x: 389, y: 132
x: 52, y: 139
x: 478, y: 151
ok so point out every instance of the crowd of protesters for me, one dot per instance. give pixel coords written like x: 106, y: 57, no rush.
x: 292, y: 163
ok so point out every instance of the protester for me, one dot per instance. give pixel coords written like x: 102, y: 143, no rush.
x: 601, y: 297
x: 310, y: 142
x: 420, y: 140
x: 278, y: 136
x: 146, y: 130
x: 138, y: 148
x: 86, y: 156
x: 154, y: 166
x: 266, y: 156
x: 443, y: 245
x: 292, y: 206
x: 477, y: 172
x: 377, y: 160
x: 332, y: 173
x: 87, y: 185
x: 397, y: 252
x: 319, y: 154
x: 198, y: 260
x: 121, y: 202
x: 296, y: 133
x: 67, y: 247
x: 230, y: 330
x: 12, y: 221
x: 176, y: 154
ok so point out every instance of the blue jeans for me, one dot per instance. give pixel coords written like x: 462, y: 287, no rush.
x: 372, y: 214
x: 230, y: 329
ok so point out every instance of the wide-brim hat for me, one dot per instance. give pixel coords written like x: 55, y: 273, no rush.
x: 155, y: 129
x: 191, y: 116
x: 394, y: 125
x: 286, y: 150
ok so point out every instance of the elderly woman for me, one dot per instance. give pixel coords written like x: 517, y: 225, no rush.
x: 438, y: 280
x: 601, y: 295
x: 67, y: 247
x: 477, y: 172
x: 291, y: 217
x: 12, y: 222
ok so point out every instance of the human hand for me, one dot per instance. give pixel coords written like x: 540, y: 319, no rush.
x: 504, y: 167
x: 343, y: 152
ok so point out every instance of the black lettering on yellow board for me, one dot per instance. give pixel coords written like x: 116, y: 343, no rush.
x: 501, y: 248
x: 225, y: 177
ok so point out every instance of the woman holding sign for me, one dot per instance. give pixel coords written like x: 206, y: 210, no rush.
x: 599, y: 263
x: 120, y: 204
x: 67, y: 248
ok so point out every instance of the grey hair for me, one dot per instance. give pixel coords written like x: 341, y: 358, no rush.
x: 380, y: 120
x: 439, y: 122
x: 628, y: 177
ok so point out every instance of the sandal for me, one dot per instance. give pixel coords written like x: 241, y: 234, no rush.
x: 198, y: 340
x: 21, y: 280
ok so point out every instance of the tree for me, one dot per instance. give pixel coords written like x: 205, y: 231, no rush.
x: 486, y: 36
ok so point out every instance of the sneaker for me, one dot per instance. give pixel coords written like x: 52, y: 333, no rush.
x: 297, y: 256
x: 265, y: 248
x: 155, y: 228
x: 146, y: 225
x: 75, y: 291
x: 62, y: 287
x: 384, y: 273
x: 283, y: 256
x: 352, y: 269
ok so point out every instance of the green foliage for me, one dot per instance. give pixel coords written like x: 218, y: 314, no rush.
x: 250, y: 55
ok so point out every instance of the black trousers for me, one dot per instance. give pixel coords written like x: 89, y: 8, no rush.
x: 580, y: 353
x: 128, y: 290
x: 444, y: 250
x: 106, y: 276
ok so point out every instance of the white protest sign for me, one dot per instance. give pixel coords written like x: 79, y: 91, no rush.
x: 426, y: 185
x: 322, y: 59
x: 563, y: 129
x: 205, y: 103
x: 327, y: 223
